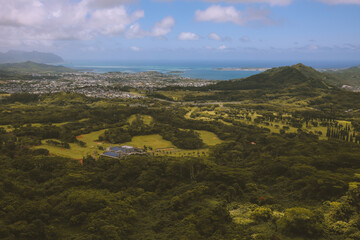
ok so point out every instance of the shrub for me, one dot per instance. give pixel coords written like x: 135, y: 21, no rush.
x: 299, y: 221
x: 261, y: 214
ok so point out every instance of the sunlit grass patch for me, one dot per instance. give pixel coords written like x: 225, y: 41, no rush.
x: 76, y: 151
x: 209, y: 138
x: 154, y: 141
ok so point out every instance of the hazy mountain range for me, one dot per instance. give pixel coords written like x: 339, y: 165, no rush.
x: 31, y: 67
x: 14, y: 56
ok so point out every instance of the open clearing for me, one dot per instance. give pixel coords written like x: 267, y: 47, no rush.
x: 154, y: 141
x: 75, y: 150
x: 158, y: 145
x: 209, y: 138
x: 163, y: 147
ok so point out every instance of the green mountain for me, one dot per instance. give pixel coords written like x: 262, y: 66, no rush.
x: 14, y: 56
x: 299, y: 85
x: 348, y: 76
x: 32, y: 67
x: 296, y: 76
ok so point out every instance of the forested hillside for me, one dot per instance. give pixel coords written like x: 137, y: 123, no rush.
x: 256, y: 183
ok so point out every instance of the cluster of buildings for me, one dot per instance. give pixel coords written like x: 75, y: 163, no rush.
x: 122, y: 151
x: 107, y: 85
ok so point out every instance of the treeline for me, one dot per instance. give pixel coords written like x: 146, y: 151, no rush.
x: 58, y: 144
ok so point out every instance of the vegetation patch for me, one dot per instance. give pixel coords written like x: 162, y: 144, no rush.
x: 154, y: 141
x: 209, y: 138
x: 91, y: 147
x: 146, y: 119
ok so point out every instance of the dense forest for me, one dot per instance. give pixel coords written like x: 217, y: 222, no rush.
x: 255, y: 185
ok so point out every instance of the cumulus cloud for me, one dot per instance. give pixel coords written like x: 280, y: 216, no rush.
x: 135, y: 31
x: 107, y: 3
x: 163, y: 27
x: 12, y: 13
x: 160, y: 29
x: 215, y: 36
x: 61, y: 20
x: 220, y: 14
x: 188, y: 36
x: 36, y: 21
x: 113, y: 21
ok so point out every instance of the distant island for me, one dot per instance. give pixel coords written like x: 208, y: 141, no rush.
x: 14, y: 56
x: 242, y: 69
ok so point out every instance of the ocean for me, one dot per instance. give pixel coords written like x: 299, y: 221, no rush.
x: 210, y: 70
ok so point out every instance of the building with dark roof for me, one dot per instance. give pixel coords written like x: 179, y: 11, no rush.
x: 122, y: 151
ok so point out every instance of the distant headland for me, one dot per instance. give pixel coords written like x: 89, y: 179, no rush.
x: 242, y: 69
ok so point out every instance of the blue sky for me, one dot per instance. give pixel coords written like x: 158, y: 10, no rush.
x: 184, y: 30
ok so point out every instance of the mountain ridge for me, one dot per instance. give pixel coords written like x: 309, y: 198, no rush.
x: 32, y: 67
x: 15, y: 56
x: 347, y: 76
x: 279, y: 78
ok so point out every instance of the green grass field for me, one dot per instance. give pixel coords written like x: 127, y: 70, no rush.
x: 201, y: 113
x: 162, y: 147
x: 209, y: 138
x: 159, y: 145
x: 75, y: 151
x: 154, y: 141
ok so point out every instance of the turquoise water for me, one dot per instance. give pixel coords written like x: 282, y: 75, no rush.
x: 201, y: 70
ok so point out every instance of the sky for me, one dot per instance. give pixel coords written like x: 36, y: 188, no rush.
x: 253, y: 30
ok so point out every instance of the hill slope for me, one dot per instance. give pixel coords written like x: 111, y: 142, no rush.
x: 349, y: 76
x: 279, y: 78
x: 31, y: 67
x: 21, y: 56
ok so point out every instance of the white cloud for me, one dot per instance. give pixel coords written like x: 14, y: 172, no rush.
x: 113, y: 21
x: 12, y: 13
x: 36, y: 21
x: 222, y: 47
x: 188, y: 36
x: 135, y: 49
x: 62, y: 20
x: 162, y: 28
x: 220, y: 14
x: 135, y: 31
x: 107, y: 3
x: 340, y: 1
x: 215, y: 36
x: 217, y: 13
